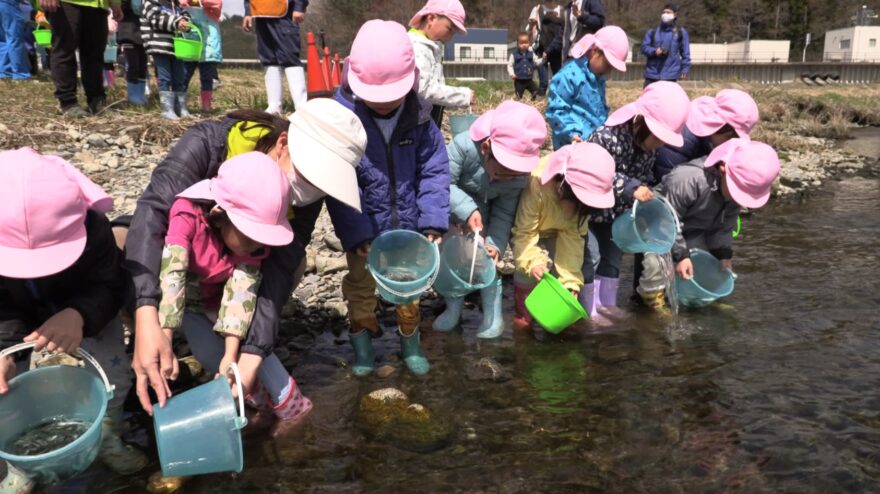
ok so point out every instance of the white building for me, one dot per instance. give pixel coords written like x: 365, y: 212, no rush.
x: 753, y: 51
x: 478, y: 45
x: 852, y: 44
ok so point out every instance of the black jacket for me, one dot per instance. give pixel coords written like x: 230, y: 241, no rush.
x: 92, y: 286
x: 590, y: 20
x: 197, y: 156
x: 129, y: 31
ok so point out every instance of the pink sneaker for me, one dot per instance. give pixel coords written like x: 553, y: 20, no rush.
x: 291, y: 411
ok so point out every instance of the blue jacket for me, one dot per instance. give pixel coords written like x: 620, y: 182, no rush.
x: 404, y: 184
x: 677, y: 59
x: 576, y: 104
x: 668, y: 157
x: 471, y: 190
x: 211, y: 37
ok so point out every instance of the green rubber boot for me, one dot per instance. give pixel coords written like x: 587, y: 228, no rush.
x: 364, y: 358
x: 410, y: 346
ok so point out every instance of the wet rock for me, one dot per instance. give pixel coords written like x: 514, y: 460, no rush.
x: 387, y: 415
x: 332, y: 241
x: 487, y: 369
x: 337, y: 309
x: 330, y: 265
x: 385, y: 371
x: 157, y: 484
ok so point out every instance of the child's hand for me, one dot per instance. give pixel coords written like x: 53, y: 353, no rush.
x: 433, y: 236
x: 538, y: 272
x: 7, y: 372
x: 63, y: 332
x: 183, y: 25
x: 248, y: 367
x: 685, y: 269
x: 224, y: 368
x: 643, y: 194
x: 117, y: 13
x: 364, y: 249
x: 493, y: 253
x: 475, y: 221
x: 247, y: 24
x: 298, y: 17
x: 727, y: 265
x: 576, y: 138
x: 473, y: 97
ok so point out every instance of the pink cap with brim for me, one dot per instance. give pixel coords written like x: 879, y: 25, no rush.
x: 42, y: 216
x: 451, y: 9
x: 588, y: 169
x: 381, y: 66
x: 516, y: 130
x: 255, y: 195
x: 750, y: 169
x: 664, y: 105
x: 729, y: 107
x: 613, y: 42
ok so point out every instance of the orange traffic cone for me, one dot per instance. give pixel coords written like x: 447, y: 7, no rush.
x: 325, y: 68
x: 336, y: 75
x: 317, y: 85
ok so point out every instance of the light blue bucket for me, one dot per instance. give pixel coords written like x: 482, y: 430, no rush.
x: 404, y: 264
x: 708, y: 284
x: 456, y: 258
x: 49, y: 394
x: 649, y: 227
x: 199, y: 431
x: 461, y: 123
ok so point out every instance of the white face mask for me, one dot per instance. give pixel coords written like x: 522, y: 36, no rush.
x: 302, y: 193
x: 667, y: 18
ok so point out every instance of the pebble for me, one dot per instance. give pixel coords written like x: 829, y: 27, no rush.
x: 385, y: 371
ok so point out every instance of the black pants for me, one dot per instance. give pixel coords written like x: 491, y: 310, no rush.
x: 523, y: 85
x: 437, y: 115
x: 84, y: 29
x: 555, y: 61
x: 135, y: 63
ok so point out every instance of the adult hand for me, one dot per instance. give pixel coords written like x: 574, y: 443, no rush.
x: 117, y: 13
x: 62, y: 332
x: 512, y: 77
x: 576, y: 138
x: 727, y: 265
x: 49, y: 5
x: 298, y: 17
x: 153, y: 361
x: 7, y: 372
x: 475, y: 221
x: 643, y: 194
x: 685, y: 269
x: 364, y: 249
x: 247, y: 24
x: 658, y: 51
x: 248, y: 367
x: 538, y: 272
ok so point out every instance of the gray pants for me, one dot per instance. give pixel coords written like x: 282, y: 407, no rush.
x: 652, y: 279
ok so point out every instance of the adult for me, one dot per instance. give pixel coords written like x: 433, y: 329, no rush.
x: 581, y: 17
x: 79, y: 26
x: 546, y: 27
x: 128, y: 36
x: 668, y: 49
x: 14, y: 62
x: 318, y: 149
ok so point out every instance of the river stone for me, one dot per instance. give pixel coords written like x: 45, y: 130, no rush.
x: 332, y: 241
x: 387, y: 415
x: 487, y: 369
x: 96, y: 140
x: 330, y: 265
x: 385, y: 371
x: 157, y: 484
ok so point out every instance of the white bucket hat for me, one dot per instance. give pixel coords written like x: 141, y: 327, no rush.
x: 326, y: 142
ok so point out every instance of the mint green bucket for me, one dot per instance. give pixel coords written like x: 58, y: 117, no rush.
x: 404, y: 264
x: 648, y: 227
x: 461, y: 123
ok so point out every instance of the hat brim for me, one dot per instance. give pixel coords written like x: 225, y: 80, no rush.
x: 615, y: 62
x: 384, y: 93
x: 482, y: 126
x: 744, y: 198
x: 324, y: 168
x: 45, y: 261
x: 703, y: 119
x: 417, y: 20
x: 458, y: 25
x: 273, y: 235
x: 604, y: 200
x: 512, y: 161
x: 199, y: 190
x: 663, y: 133
x: 622, y: 114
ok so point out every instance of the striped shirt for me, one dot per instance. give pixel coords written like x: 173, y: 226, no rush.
x: 158, y: 22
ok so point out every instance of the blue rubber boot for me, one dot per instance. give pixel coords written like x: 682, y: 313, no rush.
x: 450, y: 317
x: 410, y: 346
x: 136, y: 92
x: 493, y: 321
x: 364, y: 358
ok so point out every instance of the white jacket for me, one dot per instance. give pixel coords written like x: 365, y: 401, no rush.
x: 432, y: 84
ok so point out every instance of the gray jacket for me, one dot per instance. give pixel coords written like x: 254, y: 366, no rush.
x: 707, y: 219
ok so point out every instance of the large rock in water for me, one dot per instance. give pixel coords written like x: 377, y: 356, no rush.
x: 388, y: 415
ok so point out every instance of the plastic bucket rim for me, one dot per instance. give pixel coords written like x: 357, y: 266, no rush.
x: 432, y: 274
x: 692, y: 281
x: 463, y: 282
x: 564, y: 294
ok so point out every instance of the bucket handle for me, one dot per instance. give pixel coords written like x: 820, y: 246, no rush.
x: 415, y: 292
x: 241, y: 420
x: 192, y: 27
x: 668, y: 205
x: 82, y: 353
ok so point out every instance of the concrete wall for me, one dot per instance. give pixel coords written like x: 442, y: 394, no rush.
x: 863, y: 44
x: 754, y: 51
x: 708, y: 52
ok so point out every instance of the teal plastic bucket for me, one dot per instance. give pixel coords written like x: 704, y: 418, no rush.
x: 649, y: 227
x: 461, y: 123
x: 404, y: 264
x: 110, y: 53
x: 199, y: 431
x: 50, y: 394
x: 708, y: 284
x: 456, y: 257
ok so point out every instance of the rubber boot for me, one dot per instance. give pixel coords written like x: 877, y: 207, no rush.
x: 364, y: 358
x: 415, y: 360
x: 16, y: 482
x: 166, y: 99
x: 657, y: 302
x: 521, y: 319
x: 136, y: 92
x: 606, y: 301
x: 260, y: 402
x: 493, y: 322
x: 122, y: 458
x: 181, y: 103
x: 450, y: 317
x: 109, y: 78
x: 207, y: 100
x: 274, y: 93
x: 296, y: 82
x: 291, y: 411
x: 589, y: 301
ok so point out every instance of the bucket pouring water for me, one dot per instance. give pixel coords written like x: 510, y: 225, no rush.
x: 199, y: 431
x: 648, y: 227
x: 708, y: 284
x: 553, y: 306
x: 51, y: 394
x: 186, y: 49
x: 456, y: 258
x: 404, y: 264
x: 43, y: 36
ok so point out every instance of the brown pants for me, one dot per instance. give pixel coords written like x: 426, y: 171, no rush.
x: 359, y: 292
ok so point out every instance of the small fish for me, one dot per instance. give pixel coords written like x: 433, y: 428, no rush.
x: 48, y: 436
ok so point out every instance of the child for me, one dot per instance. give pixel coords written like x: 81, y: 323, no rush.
x: 276, y: 23
x: 565, y: 190
x: 576, y: 105
x: 521, y: 67
x: 489, y: 166
x: 160, y: 19
x: 632, y: 135
x: 13, y: 53
x: 110, y: 52
x: 61, y: 282
x: 403, y: 179
x: 432, y: 26
x: 206, y: 15
x: 218, y: 233
x: 129, y: 38
x: 707, y: 195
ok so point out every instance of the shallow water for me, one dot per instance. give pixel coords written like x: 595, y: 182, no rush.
x: 775, y: 389
x: 48, y: 437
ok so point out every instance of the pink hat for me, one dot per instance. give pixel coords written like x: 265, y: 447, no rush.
x: 43, y: 213
x: 516, y: 131
x: 730, y: 106
x: 750, y: 169
x: 451, y: 9
x: 381, y: 65
x: 613, y: 42
x: 255, y: 195
x: 664, y: 105
x: 588, y: 169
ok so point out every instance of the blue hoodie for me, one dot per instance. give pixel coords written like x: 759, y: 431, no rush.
x: 677, y: 60
x: 576, y: 104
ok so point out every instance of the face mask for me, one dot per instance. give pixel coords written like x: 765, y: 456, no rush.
x: 302, y: 193
x: 667, y: 18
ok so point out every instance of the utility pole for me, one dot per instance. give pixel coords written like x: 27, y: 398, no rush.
x: 806, y: 44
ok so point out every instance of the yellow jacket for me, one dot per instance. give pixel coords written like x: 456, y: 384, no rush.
x: 540, y: 215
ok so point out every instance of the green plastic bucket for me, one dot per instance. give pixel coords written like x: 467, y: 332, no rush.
x: 553, y: 306
x: 43, y: 36
x: 186, y: 49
